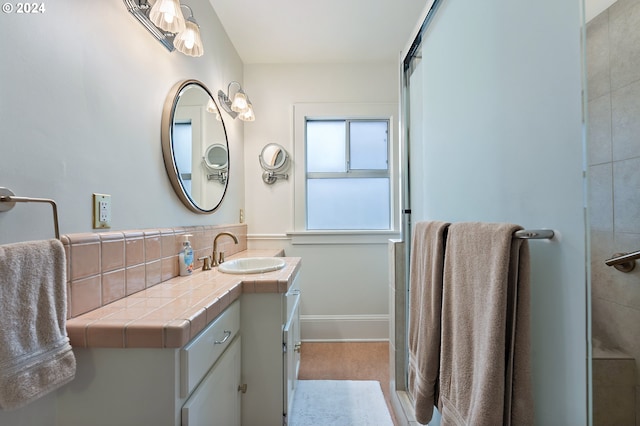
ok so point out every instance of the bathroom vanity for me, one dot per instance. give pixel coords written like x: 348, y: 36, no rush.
x: 204, y: 349
x: 271, y: 355
x: 136, y: 386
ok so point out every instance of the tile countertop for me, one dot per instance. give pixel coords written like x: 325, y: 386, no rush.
x: 171, y: 313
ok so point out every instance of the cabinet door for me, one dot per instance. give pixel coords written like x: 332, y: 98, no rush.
x: 216, y: 401
x: 291, y: 357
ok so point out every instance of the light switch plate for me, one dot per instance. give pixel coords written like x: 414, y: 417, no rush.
x: 101, y: 211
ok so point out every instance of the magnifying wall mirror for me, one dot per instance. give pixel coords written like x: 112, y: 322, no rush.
x: 216, y: 159
x: 195, y: 146
x: 274, y: 160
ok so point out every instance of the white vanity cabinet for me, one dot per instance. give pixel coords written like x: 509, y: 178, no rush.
x: 216, y: 400
x: 194, y: 385
x: 270, y: 355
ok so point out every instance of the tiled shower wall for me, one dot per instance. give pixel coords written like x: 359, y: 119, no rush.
x: 613, y: 76
x: 107, y: 266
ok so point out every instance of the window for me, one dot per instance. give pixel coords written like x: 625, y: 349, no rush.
x: 348, y: 182
x: 182, y: 147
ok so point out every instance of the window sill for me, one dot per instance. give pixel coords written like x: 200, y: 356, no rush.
x: 342, y: 237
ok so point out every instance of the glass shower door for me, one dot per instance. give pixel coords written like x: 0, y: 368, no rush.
x: 493, y: 131
x: 613, y: 78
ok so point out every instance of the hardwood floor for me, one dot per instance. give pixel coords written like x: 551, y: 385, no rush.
x: 346, y: 361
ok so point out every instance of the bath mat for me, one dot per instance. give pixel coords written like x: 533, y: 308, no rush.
x: 339, y: 403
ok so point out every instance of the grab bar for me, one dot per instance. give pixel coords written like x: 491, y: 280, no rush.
x: 8, y: 201
x: 534, y: 234
x: 624, y: 262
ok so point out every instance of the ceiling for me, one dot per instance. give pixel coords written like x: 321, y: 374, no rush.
x: 327, y: 31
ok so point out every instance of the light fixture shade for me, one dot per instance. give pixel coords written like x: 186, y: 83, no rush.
x: 211, y: 107
x: 239, y: 103
x: 247, y: 115
x: 166, y: 15
x: 189, y: 41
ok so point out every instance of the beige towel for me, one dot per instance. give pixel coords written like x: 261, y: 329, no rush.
x: 485, y: 370
x: 427, y: 259
x: 35, y: 355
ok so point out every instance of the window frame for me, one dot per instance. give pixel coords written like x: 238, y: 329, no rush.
x: 303, y: 112
x: 349, y: 172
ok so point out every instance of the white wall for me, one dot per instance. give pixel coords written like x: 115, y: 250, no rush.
x: 81, y: 93
x: 274, y: 89
x: 594, y: 7
x: 502, y: 142
x: 344, y: 286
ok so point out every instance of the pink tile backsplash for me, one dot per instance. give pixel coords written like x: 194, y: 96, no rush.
x: 169, y: 267
x: 169, y: 244
x: 153, y: 272
x: 112, y: 251
x: 152, y: 245
x: 113, y: 286
x: 84, y: 255
x: 134, y: 248
x: 86, y: 295
x: 135, y: 279
x: 105, y: 267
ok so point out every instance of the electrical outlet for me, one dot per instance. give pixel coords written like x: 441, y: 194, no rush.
x: 101, y: 211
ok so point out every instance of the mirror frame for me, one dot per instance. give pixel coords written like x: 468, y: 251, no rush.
x: 275, y: 168
x: 168, y: 115
x: 274, y: 172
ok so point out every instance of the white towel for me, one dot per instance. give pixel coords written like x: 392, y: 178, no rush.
x: 35, y: 354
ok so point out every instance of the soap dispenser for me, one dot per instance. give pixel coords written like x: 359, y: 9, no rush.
x: 186, y: 257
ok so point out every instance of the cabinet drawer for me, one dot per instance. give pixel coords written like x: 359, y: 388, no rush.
x: 197, y: 356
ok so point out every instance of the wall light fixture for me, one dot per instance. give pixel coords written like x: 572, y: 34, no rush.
x: 165, y: 21
x: 239, y: 106
x: 188, y: 41
x: 166, y: 15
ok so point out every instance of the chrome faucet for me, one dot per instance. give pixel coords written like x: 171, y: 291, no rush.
x: 219, y: 258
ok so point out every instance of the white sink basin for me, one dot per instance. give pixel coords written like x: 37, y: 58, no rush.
x: 252, y: 265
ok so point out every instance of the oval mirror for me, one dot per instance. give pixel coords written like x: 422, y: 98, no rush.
x: 193, y: 137
x: 274, y: 157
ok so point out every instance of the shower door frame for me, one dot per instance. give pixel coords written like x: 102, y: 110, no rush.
x: 401, y: 399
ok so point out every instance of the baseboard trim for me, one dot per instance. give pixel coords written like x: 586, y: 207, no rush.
x: 337, y: 328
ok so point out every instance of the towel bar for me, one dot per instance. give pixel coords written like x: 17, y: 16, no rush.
x: 8, y: 201
x: 534, y: 234
x: 624, y: 262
